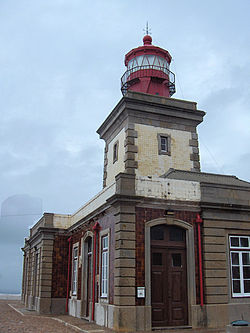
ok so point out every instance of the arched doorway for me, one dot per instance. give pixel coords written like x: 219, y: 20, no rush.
x: 87, y: 275
x: 170, y: 221
x: 168, y: 276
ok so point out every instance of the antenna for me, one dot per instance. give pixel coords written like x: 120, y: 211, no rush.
x: 147, y: 30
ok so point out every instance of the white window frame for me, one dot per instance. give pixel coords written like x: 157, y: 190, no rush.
x: 240, y: 250
x: 75, y: 269
x: 104, y: 287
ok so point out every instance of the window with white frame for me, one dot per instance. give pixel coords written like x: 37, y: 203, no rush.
x: 240, y: 265
x: 104, y: 271
x: 74, y: 270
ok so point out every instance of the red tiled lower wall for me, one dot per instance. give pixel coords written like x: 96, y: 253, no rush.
x: 60, y: 267
x: 144, y: 215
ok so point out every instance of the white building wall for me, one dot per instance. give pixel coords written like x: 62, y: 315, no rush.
x: 171, y: 189
x: 150, y: 162
x: 119, y: 166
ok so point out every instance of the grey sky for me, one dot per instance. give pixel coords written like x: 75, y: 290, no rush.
x: 60, y: 68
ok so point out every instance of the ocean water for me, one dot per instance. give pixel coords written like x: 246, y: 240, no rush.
x: 11, y: 297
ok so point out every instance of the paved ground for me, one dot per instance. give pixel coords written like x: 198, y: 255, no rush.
x: 14, y: 318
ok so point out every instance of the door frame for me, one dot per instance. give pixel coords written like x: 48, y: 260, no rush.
x: 85, y: 273
x: 191, y: 291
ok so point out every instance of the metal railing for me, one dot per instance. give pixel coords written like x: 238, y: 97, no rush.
x: 134, y: 73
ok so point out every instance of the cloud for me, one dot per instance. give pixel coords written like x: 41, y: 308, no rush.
x: 18, y: 213
x: 61, y: 63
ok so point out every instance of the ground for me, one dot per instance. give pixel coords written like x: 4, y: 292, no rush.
x: 14, y: 318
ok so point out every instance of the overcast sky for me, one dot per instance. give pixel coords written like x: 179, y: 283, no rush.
x: 60, y: 68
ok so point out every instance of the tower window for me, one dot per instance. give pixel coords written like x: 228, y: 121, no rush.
x: 115, y: 152
x: 164, y: 144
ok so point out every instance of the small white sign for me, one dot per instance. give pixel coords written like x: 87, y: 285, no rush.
x: 140, y: 292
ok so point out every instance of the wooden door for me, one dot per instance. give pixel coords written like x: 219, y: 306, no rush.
x: 168, y: 277
x: 159, y: 286
x: 177, y: 287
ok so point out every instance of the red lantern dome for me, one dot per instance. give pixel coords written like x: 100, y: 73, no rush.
x: 148, y: 70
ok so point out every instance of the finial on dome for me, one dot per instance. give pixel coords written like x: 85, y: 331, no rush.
x: 147, y: 29
x: 147, y: 40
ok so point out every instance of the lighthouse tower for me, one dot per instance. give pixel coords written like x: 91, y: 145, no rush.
x: 148, y: 70
x: 148, y: 133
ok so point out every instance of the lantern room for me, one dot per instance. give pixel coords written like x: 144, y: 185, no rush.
x: 148, y: 70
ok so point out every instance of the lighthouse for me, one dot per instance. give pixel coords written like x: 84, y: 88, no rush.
x: 148, y: 70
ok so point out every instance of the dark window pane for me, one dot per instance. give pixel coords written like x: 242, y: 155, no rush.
x: 176, y: 234
x: 247, y: 286
x: 235, y: 241
x: 246, y: 272
x: 236, y: 272
x: 235, y: 258
x: 157, y: 233
x: 157, y: 259
x: 89, y: 244
x: 246, y: 258
x: 244, y: 241
x: 176, y: 259
x: 236, y: 286
x: 115, y: 152
x: 164, y: 144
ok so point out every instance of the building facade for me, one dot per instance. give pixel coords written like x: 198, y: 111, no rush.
x: 163, y: 244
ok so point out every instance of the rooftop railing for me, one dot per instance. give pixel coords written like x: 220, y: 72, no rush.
x: 129, y: 77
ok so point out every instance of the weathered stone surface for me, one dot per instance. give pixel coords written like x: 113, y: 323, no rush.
x: 216, y: 299
x: 124, y: 281
x: 214, y: 240
x: 214, y: 248
x: 129, y: 141
x: 214, y: 257
x: 131, y: 148
x: 194, y: 157
x: 124, y: 226
x: 124, y: 262
x: 193, y: 143
x: 125, y: 253
x: 217, y: 290
x: 129, y: 156
x: 131, y: 133
x: 215, y: 273
x: 124, y: 244
x: 131, y: 164
x: 130, y: 235
x: 124, y: 319
x: 215, y: 264
x: 124, y: 291
x: 125, y: 217
x: 121, y: 271
x: 124, y: 300
x: 213, y: 232
x: 212, y: 282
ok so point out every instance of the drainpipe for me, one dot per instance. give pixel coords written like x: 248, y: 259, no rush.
x: 68, y: 278
x: 96, y: 229
x: 199, y: 222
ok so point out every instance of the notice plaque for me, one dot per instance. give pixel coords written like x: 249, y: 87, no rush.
x: 140, y: 292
